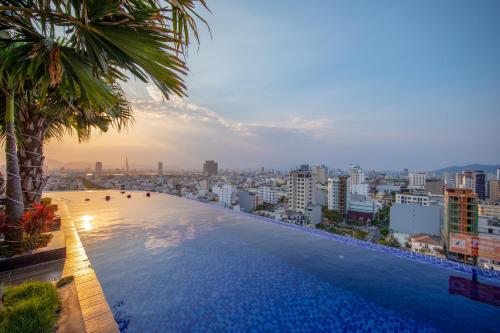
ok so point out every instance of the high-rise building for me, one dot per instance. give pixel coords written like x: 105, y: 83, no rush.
x: 339, y: 195
x: 480, y: 188
x: 356, y: 176
x: 126, y: 164
x: 475, y: 180
x: 227, y: 195
x: 98, y: 167
x: 494, y: 190
x: 449, y: 179
x: 357, y: 184
x: 460, y: 222
x: 160, y: 168
x: 416, y: 180
x: 321, y: 173
x: 210, y: 168
x: 300, y: 188
x: 268, y: 195
x: 498, y: 174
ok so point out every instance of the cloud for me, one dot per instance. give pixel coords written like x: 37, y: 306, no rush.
x: 183, y: 110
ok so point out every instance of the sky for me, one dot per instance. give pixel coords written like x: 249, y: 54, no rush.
x: 384, y: 84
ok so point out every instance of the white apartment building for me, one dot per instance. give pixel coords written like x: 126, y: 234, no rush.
x: 489, y: 226
x: 268, y: 195
x: 489, y: 210
x: 300, y: 187
x: 227, y: 195
x: 338, y: 194
x: 356, y: 176
x: 404, y: 198
x: 416, y: 180
x: 361, y: 189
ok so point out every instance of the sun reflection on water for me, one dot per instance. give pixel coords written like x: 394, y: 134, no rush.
x: 87, y: 222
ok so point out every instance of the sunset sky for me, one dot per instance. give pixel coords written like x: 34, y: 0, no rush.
x: 385, y: 84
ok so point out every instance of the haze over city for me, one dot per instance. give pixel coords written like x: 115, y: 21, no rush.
x: 385, y: 84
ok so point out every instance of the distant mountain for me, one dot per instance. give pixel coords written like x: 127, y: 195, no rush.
x: 484, y: 167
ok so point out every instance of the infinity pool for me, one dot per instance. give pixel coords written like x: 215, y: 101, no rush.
x: 167, y: 264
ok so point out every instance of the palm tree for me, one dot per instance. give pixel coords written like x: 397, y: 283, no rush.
x: 146, y: 38
x: 52, y: 118
x: 28, y: 68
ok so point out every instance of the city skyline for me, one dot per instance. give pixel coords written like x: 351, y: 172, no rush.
x: 241, y: 166
x: 51, y: 164
x: 388, y: 85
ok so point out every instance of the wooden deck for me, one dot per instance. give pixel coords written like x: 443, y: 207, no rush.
x: 96, y: 312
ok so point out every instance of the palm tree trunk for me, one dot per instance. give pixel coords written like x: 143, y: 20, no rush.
x: 30, y: 154
x: 14, y: 206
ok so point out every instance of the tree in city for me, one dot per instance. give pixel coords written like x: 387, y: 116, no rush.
x: 75, y: 52
x: 29, y: 79
x: 51, y: 118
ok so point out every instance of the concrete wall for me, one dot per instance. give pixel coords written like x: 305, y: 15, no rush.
x: 413, y: 219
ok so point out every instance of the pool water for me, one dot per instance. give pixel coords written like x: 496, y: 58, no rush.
x: 168, y: 264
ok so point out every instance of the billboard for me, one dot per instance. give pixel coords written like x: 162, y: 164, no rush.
x: 481, y: 246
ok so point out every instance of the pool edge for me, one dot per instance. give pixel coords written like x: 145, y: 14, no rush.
x: 96, y: 312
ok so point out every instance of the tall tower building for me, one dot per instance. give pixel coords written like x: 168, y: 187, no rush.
x: 357, y: 184
x: 160, y: 168
x: 339, y: 195
x: 126, y: 164
x: 460, y: 222
x: 300, y: 189
x: 480, y: 186
x: 98, y: 167
x: 210, y: 168
x: 356, y: 176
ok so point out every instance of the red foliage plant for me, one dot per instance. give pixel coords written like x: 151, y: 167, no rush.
x: 37, y: 220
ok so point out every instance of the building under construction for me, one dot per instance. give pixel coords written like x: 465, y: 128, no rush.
x: 460, y: 223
